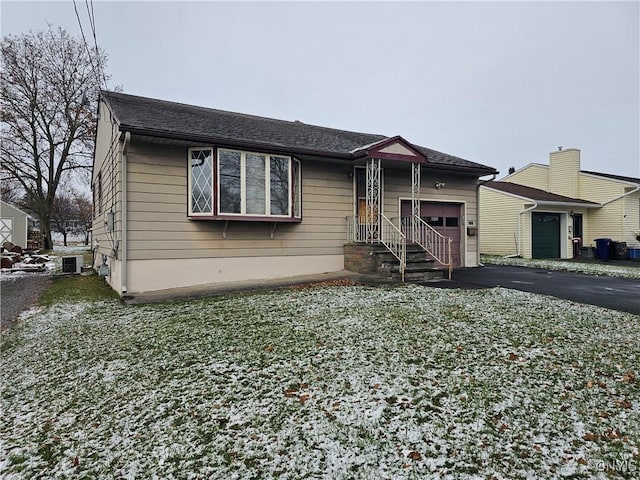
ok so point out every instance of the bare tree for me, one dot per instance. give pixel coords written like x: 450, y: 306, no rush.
x: 48, y: 95
x: 10, y: 189
x: 64, y: 212
x: 84, y: 211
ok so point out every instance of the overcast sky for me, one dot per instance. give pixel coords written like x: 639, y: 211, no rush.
x: 500, y: 83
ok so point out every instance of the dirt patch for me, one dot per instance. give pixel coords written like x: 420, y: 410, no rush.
x: 20, y: 291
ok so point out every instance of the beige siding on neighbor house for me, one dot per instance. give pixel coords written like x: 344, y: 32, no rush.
x: 564, y: 166
x: 600, y: 189
x: 605, y: 222
x: 533, y: 175
x: 632, y: 220
x: 608, y: 221
x: 499, y: 222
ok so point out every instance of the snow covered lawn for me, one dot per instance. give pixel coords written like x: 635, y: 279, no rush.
x: 612, y: 270
x: 333, y: 382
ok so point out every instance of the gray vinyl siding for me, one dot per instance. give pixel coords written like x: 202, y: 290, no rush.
x: 159, y: 228
x: 107, y: 166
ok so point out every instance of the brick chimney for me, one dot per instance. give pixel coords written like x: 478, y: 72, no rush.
x: 564, y: 166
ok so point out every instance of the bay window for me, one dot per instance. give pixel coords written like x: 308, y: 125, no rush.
x: 243, y: 184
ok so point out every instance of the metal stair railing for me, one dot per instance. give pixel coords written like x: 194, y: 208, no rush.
x: 387, y: 234
x: 431, y: 241
x: 395, y: 241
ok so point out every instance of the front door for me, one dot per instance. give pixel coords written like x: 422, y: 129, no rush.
x: 577, y: 234
x: 445, y: 218
x: 367, y: 215
x: 545, y: 235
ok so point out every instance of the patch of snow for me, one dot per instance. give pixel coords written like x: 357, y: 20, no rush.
x: 340, y: 383
x: 623, y: 271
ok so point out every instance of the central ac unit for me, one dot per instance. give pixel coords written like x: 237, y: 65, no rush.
x: 72, y: 264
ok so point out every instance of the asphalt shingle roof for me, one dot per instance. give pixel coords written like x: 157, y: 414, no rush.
x: 615, y: 177
x: 176, y: 120
x: 534, y: 193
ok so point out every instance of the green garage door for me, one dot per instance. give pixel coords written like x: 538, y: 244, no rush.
x: 545, y: 235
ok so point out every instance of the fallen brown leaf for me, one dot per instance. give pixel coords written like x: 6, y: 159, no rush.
x: 413, y: 455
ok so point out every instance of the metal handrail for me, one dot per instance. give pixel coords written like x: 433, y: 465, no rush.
x: 431, y: 241
x: 395, y: 241
x: 387, y: 234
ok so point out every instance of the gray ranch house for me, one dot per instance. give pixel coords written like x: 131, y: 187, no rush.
x: 187, y: 196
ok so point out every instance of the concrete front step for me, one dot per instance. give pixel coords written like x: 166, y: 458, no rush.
x: 418, y: 272
x: 414, y: 254
x: 420, y: 266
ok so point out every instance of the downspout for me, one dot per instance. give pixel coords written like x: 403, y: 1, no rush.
x: 630, y: 192
x: 124, y: 207
x: 480, y: 183
x: 535, y: 205
x: 621, y: 196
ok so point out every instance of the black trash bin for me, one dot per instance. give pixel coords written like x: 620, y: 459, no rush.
x: 603, y: 248
x: 619, y: 250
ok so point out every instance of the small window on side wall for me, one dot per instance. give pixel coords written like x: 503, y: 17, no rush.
x: 201, y: 181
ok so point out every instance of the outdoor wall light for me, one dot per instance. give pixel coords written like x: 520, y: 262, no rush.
x: 439, y: 184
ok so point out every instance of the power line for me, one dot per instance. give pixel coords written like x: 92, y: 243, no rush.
x: 92, y: 22
x: 96, y: 72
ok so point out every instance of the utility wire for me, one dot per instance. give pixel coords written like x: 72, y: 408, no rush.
x: 86, y: 45
x: 92, y: 22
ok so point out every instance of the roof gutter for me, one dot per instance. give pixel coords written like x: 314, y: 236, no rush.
x: 232, y: 143
x: 480, y: 183
x: 568, y: 204
x: 124, y: 207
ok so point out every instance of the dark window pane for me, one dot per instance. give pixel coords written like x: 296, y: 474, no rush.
x: 279, y: 186
x: 297, y: 190
x: 201, y: 175
x: 434, y: 221
x: 230, y: 200
x: 361, y: 184
x: 255, y: 171
x: 451, y: 222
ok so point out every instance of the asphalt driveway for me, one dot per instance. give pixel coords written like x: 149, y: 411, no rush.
x: 610, y: 292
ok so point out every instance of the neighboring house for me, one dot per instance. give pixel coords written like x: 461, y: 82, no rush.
x: 551, y: 211
x: 185, y: 196
x: 14, y: 224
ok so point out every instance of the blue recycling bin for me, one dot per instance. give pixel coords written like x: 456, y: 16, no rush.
x: 603, y: 248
